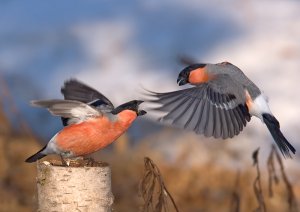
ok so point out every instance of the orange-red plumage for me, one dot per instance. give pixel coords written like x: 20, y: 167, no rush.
x: 199, y: 75
x: 249, y: 101
x: 90, y: 136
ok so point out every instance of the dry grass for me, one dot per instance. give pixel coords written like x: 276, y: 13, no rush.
x: 291, y: 198
x: 153, y: 189
x: 202, y: 187
x: 257, y: 185
x: 197, y: 187
x: 205, y: 187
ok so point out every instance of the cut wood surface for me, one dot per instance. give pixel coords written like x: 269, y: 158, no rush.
x: 78, y: 187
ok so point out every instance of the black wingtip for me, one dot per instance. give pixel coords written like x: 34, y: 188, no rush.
x: 273, y: 125
x: 36, y: 156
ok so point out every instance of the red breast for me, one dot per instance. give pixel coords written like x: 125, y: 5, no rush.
x: 199, y: 75
x: 90, y: 136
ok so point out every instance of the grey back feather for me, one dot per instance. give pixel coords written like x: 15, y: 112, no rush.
x: 235, y: 74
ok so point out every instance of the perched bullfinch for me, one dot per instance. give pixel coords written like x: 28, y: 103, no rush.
x: 90, y: 119
x: 220, y: 104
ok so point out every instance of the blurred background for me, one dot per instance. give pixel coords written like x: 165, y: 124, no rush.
x: 118, y: 47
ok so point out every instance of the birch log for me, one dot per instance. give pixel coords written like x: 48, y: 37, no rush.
x: 74, y: 188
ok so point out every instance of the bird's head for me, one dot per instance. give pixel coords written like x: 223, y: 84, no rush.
x: 188, y: 74
x: 132, y: 105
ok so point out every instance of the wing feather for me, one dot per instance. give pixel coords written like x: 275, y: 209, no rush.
x: 185, y: 112
x: 78, y: 91
x: 75, y: 90
x: 209, y: 128
x: 209, y: 108
x: 225, y: 132
x: 68, y: 109
x: 203, y: 118
x: 218, y: 124
x: 193, y: 119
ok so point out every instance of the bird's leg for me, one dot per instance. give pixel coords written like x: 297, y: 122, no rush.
x: 63, y: 162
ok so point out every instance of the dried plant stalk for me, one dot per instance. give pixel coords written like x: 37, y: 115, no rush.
x: 290, y: 193
x: 235, y: 196
x: 271, y: 171
x: 273, y: 177
x: 257, y: 185
x: 153, y: 189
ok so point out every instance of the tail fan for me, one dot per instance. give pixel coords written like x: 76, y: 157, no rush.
x: 36, y: 156
x: 273, y: 125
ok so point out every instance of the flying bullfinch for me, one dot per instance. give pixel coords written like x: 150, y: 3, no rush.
x: 220, y: 103
x: 90, y: 120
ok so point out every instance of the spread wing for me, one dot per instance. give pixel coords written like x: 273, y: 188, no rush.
x: 216, y: 108
x: 75, y: 90
x: 75, y: 111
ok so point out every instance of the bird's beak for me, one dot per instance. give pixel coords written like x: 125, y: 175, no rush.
x: 181, y: 81
x: 141, y: 112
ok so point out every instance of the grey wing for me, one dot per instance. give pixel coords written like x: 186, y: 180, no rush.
x: 208, y: 109
x: 74, y: 111
x: 75, y: 90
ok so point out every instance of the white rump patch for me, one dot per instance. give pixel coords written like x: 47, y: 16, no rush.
x: 260, y: 106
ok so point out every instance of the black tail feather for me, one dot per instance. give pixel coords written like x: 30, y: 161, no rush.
x: 36, y: 156
x: 273, y: 125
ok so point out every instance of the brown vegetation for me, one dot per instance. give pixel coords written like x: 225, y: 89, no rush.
x: 153, y: 189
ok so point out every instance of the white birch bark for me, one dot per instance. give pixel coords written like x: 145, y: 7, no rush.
x: 74, y: 188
